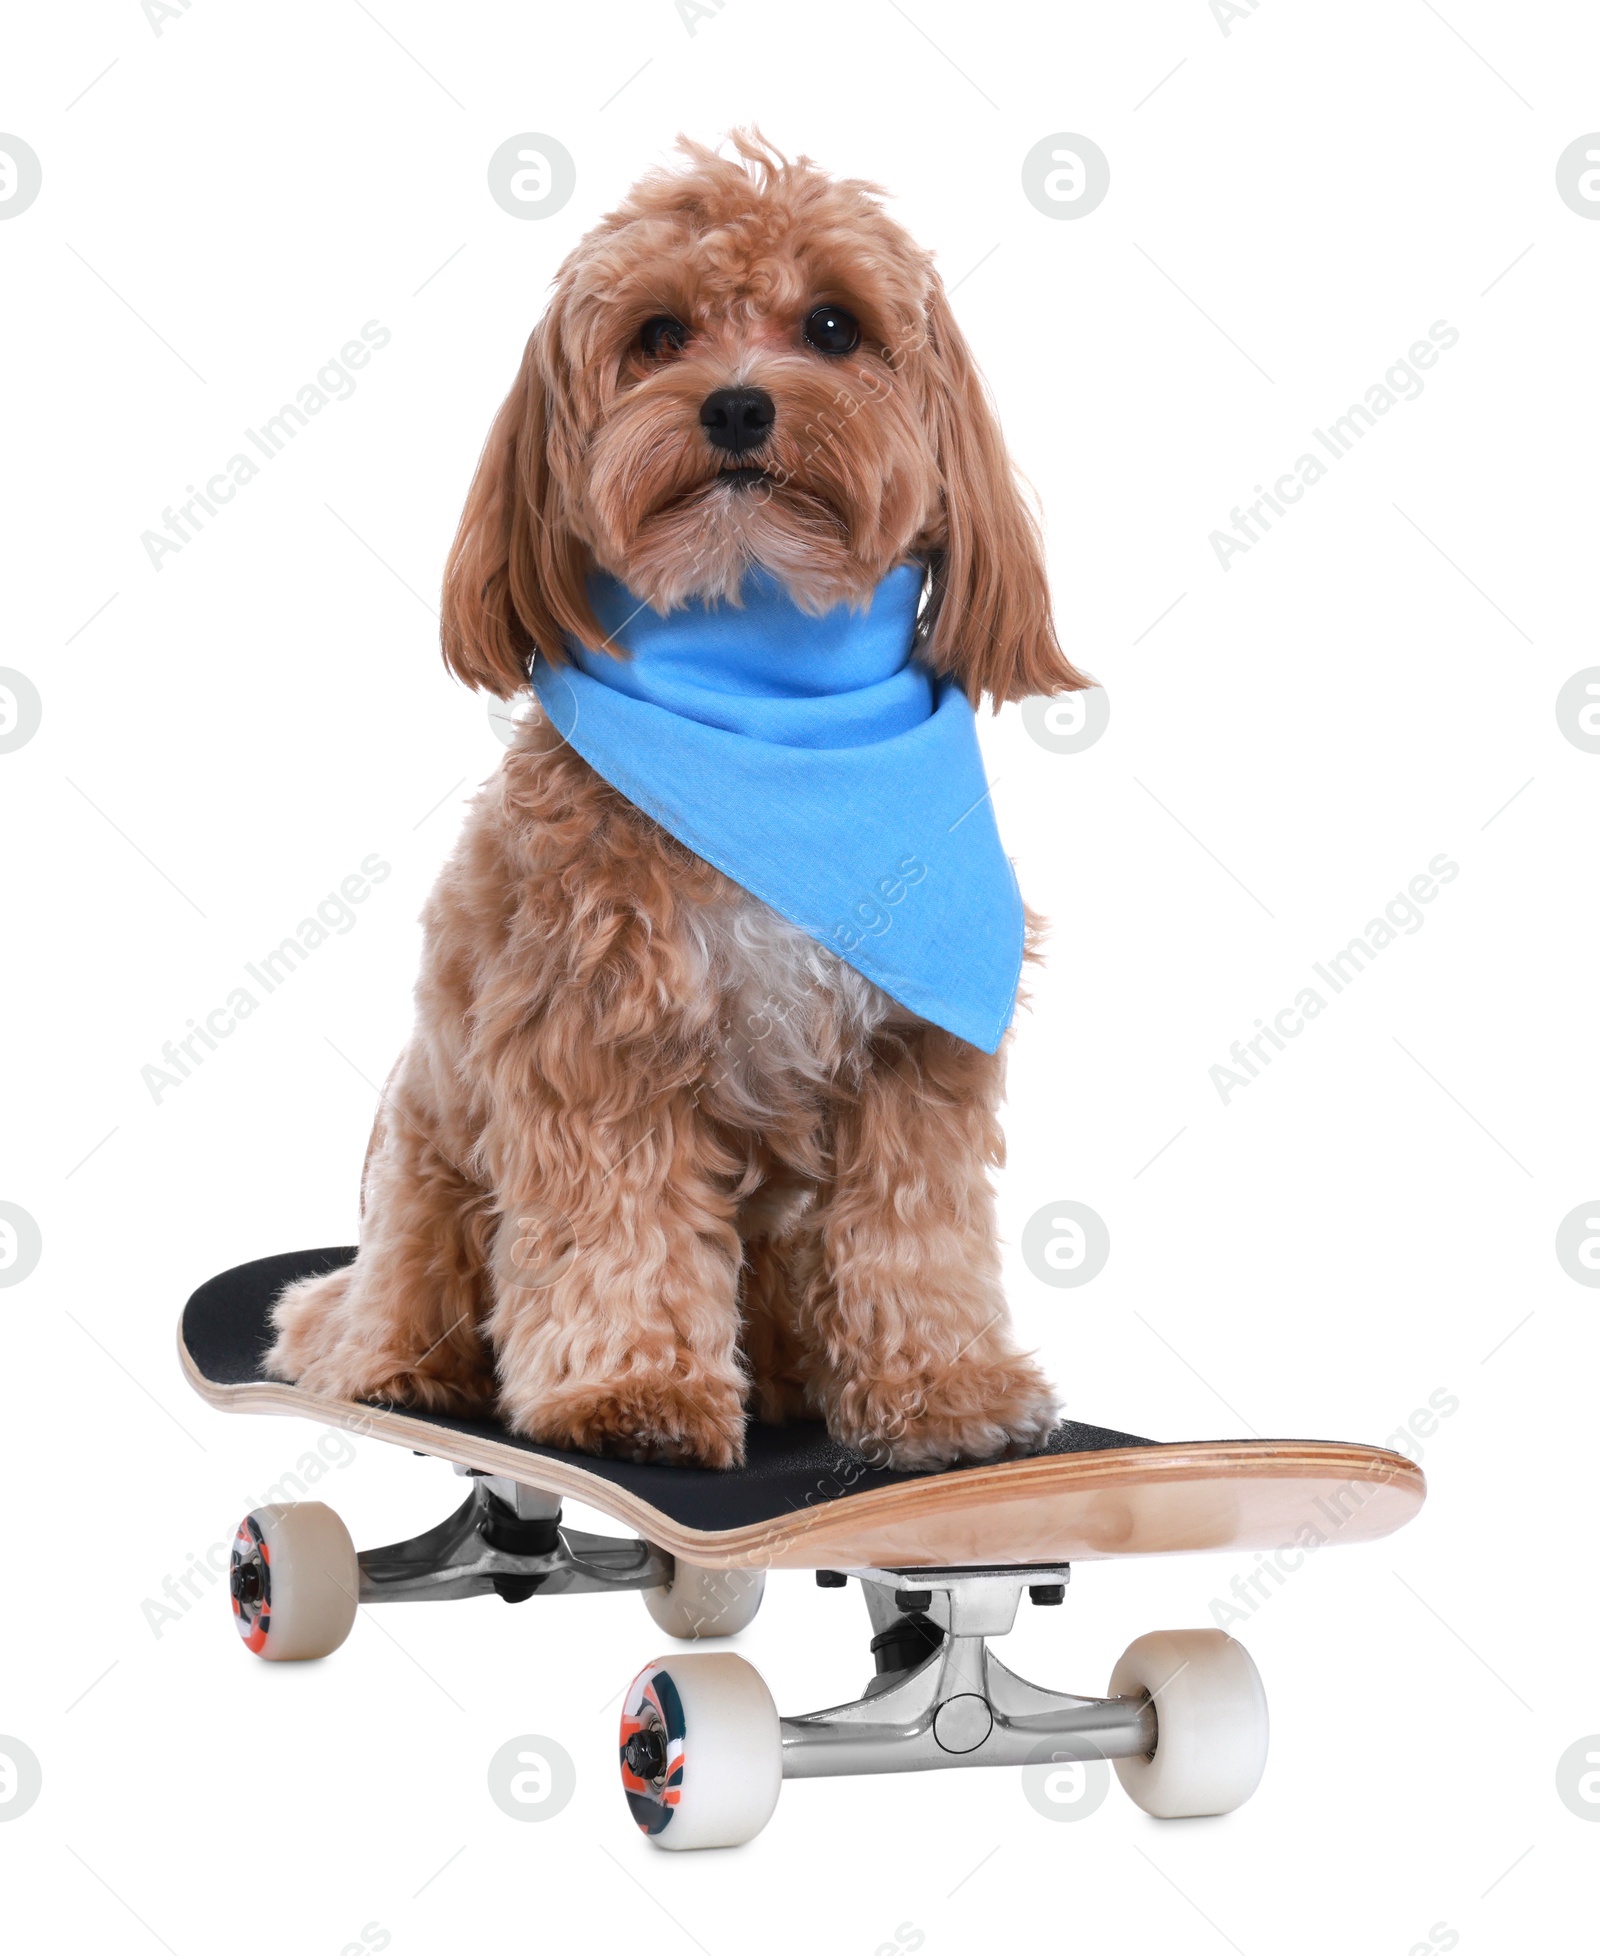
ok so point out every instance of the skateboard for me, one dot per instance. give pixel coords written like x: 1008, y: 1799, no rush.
x: 944, y: 1559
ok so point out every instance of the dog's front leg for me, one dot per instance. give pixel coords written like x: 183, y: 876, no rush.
x: 911, y: 1339
x: 404, y: 1321
x: 615, y: 1267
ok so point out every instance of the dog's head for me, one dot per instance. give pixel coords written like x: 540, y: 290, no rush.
x: 748, y: 363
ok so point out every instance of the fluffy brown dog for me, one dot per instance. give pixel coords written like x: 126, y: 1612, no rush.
x: 653, y: 1156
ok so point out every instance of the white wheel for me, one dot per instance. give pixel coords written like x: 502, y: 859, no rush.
x: 1211, y: 1722
x: 701, y: 1751
x: 293, y: 1578
x: 706, y: 1602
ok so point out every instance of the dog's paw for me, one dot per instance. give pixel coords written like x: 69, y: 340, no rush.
x: 652, y: 1420
x: 393, y: 1379
x: 325, y: 1347
x: 307, y: 1318
x: 986, y: 1411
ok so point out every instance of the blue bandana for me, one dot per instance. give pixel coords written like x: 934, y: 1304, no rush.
x: 821, y: 767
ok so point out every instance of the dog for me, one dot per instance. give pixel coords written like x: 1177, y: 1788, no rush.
x: 657, y: 1158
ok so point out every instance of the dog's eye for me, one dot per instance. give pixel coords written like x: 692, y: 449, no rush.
x: 662, y: 335
x: 830, y: 329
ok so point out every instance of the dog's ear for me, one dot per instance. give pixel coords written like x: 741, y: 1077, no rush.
x: 989, y: 614
x: 514, y: 582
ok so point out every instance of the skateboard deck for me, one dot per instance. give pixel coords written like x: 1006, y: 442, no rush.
x: 803, y: 1501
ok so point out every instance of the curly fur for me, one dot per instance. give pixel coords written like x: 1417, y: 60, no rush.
x: 654, y: 1159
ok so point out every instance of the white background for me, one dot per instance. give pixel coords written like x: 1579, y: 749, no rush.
x: 1370, y: 1223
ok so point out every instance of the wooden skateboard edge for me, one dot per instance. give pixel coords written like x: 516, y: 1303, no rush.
x: 1115, y: 1501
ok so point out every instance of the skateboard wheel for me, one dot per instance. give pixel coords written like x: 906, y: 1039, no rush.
x: 294, y: 1579
x: 701, y: 1751
x: 1211, y: 1722
x: 706, y: 1602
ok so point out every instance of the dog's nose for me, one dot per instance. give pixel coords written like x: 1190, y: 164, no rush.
x: 737, y: 418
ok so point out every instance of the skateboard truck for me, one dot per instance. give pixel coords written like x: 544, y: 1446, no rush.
x: 506, y: 1540
x: 954, y: 1703
x: 704, y: 1753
